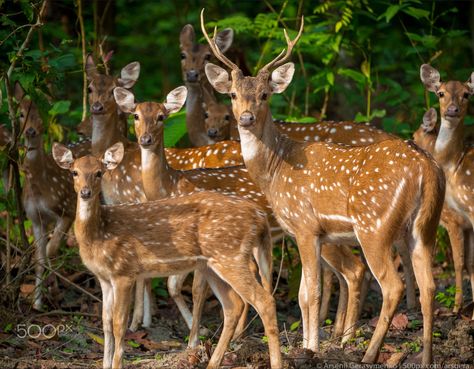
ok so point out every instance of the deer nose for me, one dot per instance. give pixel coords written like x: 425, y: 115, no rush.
x: 86, y: 193
x: 212, y: 132
x: 452, y: 111
x: 246, y: 119
x: 30, y: 132
x: 97, y: 107
x: 192, y: 75
x: 146, y: 140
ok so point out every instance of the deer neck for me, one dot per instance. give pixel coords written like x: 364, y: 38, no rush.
x: 157, y: 176
x: 105, y: 132
x: 88, y: 223
x: 34, y: 161
x: 263, y: 156
x: 197, y: 94
x: 449, y: 145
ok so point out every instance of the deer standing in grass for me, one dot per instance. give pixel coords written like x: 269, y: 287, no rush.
x: 48, y: 194
x: 457, y: 161
x: 160, y: 181
x: 374, y: 195
x: 121, y: 244
x: 193, y: 59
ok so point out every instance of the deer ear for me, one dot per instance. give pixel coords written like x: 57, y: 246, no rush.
x: 113, y: 156
x: 175, y: 99
x: 281, y: 77
x: 91, y: 69
x: 429, y: 120
x: 219, y: 78
x: 224, y: 39
x: 124, y: 99
x: 129, y: 75
x: 18, y: 91
x: 62, y: 156
x: 187, y: 36
x: 470, y: 83
x: 430, y: 77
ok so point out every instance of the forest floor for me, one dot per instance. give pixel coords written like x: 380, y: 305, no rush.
x: 69, y: 335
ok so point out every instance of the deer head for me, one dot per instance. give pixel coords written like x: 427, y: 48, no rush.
x: 195, y: 56
x: 101, y: 87
x: 250, y: 95
x: 149, y: 116
x: 217, y: 120
x: 87, y: 171
x: 31, y: 124
x: 453, y: 95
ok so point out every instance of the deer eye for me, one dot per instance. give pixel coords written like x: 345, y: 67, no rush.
x: 227, y: 117
x: 233, y: 95
x: 161, y: 117
x: 466, y: 95
x: 183, y: 56
x: 74, y: 173
x: 22, y: 115
x: 98, y: 174
x: 207, y: 57
x: 135, y: 116
x: 89, y: 90
x: 441, y: 94
x: 206, y: 115
x: 264, y: 96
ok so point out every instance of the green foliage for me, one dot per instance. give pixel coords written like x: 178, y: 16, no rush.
x: 447, y: 298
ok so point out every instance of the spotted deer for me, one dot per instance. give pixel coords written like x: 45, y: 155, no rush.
x: 193, y: 58
x: 48, y: 194
x: 457, y: 161
x: 219, y: 122
x: 123, y: 243
x: 323, y: 192
x: 161, y: 181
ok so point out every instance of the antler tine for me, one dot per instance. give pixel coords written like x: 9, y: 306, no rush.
x: 212, y: 43
x: 279, y: 60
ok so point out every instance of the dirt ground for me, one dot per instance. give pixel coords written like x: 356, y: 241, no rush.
x: 69, y: 334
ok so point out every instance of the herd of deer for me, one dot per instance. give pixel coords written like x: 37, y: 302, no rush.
x: 143, y: 210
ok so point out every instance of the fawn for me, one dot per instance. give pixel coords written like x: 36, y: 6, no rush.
x: 374, y: 195
x: 124, y: 243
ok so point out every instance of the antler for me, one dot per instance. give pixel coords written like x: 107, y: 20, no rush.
x: 215, y: 49
x: 279, y: 60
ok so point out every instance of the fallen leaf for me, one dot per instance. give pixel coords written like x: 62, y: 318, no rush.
x: 399, y: 321
x: 395, y: 359
x: 27, y: 289
x: 138, y: 335
x: 96, y: 338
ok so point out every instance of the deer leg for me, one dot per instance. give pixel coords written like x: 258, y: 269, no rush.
x: 199, y: 297
x: 469, y: 242
x: 364, y: 289
x: 251, y: 291
x: 175, y: 285
x: 148, y: 304
x: 409, y: 275
x: 421, y: 253
x: 456, y: 238
x: 39, y: 231
x: 327, y: 289
x: 60, y: 230
x: 107, y: 322
x: 310, y: 292
x: 121, y: 305
x: 138, y: 306
x: 232, y: 306
x: 380, y: 261
x: 350, y: 272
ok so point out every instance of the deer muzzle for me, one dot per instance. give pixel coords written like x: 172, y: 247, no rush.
x: 86, y: 193
x: 192, y: 75
x: 97, y: 108
x: 452, y: 111
x: 30, y: 132
x: 246, y: 119
x: 146, y: 140
x: 212, y: 132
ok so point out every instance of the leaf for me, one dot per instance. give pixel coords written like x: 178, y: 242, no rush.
x: 295, y: 325
x: 330, y: 78
x: 361, y: 118
x: 378, y: 113
x: 96, y: 338
x: 133, y: 344
x: 338, y: 26
x: 365, y: 68
x: 60, y: 107
x: 175, y: 128
x: 417, y: 13
x: 391, y: 11
x: 354, y: 75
